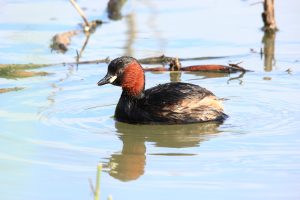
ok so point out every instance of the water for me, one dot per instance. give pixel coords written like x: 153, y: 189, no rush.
x: 57, y: 129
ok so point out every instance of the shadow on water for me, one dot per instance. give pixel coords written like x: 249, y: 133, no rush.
x: 129, y: 164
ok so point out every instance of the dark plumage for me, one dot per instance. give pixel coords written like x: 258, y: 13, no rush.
x: 170, y: 103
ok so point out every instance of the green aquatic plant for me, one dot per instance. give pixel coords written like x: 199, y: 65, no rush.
x: 4, y: 90
x: 12, y: 71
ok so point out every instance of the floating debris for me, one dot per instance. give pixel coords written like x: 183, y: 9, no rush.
x: 12, y: 71
x: 14, y: 89
x: 289, y: 71
x: 203, y: 68
x: 61, y: 40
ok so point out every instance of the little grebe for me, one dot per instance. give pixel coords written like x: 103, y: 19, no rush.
x: 170, y: 103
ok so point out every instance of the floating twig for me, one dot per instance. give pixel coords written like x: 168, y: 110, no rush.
x: 88, y: 26
x: 61, y: 40
x: 81, y: 13
x: 203, y: 68
x: 203, y: 58
x: 84, y: 45
x: 167, y: 59
x: 209, y: 68
x: 105, y: 60
x: 236, y: 66
x: 156, y: 60
x: 153, y: 60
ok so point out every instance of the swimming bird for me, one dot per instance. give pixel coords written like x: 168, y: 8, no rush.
x: 169, y: 103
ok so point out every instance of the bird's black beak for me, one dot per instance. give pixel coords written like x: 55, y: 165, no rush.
x: 107, y: 79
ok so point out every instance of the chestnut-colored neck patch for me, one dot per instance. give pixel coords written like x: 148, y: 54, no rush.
x: 133, y: 79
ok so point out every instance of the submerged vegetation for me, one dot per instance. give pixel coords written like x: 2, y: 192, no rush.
x: 4, y: 90
x: 13, y: 71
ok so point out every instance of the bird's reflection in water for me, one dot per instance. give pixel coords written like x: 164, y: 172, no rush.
x: 129, y: 164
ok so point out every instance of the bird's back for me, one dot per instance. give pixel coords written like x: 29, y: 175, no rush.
x: 173, y: 103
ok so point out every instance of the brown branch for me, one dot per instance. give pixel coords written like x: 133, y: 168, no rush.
x: 81, y: 13
x: 84, y: 45
x: 156, y: 60
x: 106, y: 60
x: 207, y: 68
x: 237, y: 67
x: 232, y: 68
x: 204, y: 68
x: 62, y: 40
x: 166, y: 59
x: 203, y: 58
x: 175, y: 65
x: 268, y: 16
x: 88, y: 26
